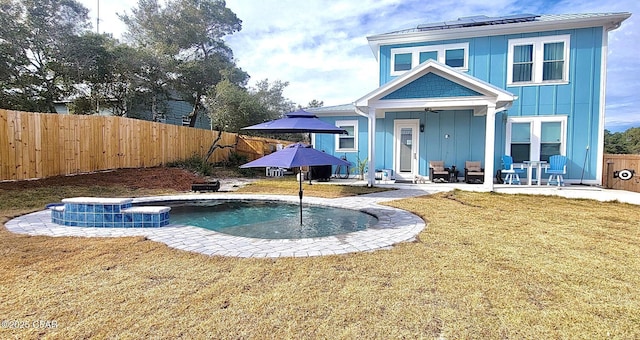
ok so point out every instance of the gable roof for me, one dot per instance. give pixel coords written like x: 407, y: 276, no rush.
x: 468, y: 90
x: 482, y: 26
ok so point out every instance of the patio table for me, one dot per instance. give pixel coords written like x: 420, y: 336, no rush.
x: 538, y: 165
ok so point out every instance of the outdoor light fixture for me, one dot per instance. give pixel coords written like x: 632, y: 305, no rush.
x: 421, y: 127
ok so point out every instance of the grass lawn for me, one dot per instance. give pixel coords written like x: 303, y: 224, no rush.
x: 487, y: 266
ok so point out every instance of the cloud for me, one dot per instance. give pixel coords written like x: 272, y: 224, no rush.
x: 320, y: 47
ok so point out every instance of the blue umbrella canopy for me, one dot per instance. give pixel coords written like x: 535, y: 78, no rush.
x: 296, y: 155
x: 299, y: 121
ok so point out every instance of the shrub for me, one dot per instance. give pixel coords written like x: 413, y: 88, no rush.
x: 194, y: 163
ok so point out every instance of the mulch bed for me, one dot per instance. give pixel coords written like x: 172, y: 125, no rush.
x: 143, y: 178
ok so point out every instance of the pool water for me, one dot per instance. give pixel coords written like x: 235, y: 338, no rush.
x: 267, y: 219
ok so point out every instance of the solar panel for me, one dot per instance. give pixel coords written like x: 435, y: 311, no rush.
x: 478, y: 20
x: 431, y: 25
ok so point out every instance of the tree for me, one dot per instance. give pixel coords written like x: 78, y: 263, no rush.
x: 632, y: 137
x: 190, y: 32
x: 232, y: 107
x: 312, y: 103
x: 627, y: 142
x: 272, y: 99
x: 34, y: 33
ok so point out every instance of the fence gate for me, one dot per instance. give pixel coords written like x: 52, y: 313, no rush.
x: 621, y: 172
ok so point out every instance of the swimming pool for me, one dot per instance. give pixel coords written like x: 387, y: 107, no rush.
x: 267, y: 219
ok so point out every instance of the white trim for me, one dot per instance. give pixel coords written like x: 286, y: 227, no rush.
x: 496, y: 94
x: 371, y: 114
x: 601, y: 120
x: 440, y: 49
x: 342, y: 123
x: 414, y: 124
x: 609, y: 22
x: 489, y: 147
x: 535, y: 132
x: 538, y: 59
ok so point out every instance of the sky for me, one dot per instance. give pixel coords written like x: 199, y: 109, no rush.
x: 320, y: 47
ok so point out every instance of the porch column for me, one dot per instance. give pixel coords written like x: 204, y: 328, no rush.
x: 489, y: 146
x: 371, y: 178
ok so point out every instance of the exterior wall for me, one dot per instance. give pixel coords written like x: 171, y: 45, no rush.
x: 579, y: 100
x: 465, y: 143
x: 327, y: 142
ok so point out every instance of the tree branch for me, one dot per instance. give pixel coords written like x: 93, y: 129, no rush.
x: 214, y: 146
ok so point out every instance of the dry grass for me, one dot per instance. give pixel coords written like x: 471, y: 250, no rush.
x: 486, y: 266
x: 290, y: 186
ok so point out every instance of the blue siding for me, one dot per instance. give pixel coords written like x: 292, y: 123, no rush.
x: 431, y: 86
x: 326, y: 142
x: 466, y: 138
x: 578, y: 100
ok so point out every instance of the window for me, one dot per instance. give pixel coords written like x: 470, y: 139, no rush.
x: 550, y: 139
x: 521, y: 142
x: 402, y: 62
x: 454, y: 58
x: 348, y: 142
x: 538, y: 60
x: 553, y: 63
x: 406, y: 58
x: 535, y: 138
x: 522, y: 63
x: 424, y: 56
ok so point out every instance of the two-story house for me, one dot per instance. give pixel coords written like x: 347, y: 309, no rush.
x: 477, y: 88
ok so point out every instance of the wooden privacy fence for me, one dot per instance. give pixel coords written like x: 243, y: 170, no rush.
x: 37, y: 145
x: 613, y: 163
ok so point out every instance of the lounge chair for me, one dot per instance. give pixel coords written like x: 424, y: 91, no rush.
x: 437, y: 172
x: 473, y: 172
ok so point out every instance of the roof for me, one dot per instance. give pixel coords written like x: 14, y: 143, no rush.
x: 335, y: 110
x: 481, y: 25
x: 474, y: 21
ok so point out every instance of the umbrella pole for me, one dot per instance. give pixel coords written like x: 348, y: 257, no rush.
x: 310, y: 166
x: 300, y: 194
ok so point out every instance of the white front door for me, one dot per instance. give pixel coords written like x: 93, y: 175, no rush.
x: 405, y: 149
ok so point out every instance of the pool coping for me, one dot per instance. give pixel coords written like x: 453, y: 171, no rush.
x: 394, y: 226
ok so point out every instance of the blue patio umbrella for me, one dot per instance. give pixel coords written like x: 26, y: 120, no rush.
x: 299, y: 121
x: 296, y: 155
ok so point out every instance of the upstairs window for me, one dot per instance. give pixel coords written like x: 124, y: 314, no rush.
x: 522, y: 63
x: 539, y: 61
x: 424, y: 56
x: 454, y: 58
x: 553, y: 64
x: 406, y: 58
x: 402, y: 62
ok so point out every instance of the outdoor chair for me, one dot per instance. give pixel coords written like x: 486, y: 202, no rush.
x: 512, y: 175
x: 473, y: 172
x: 273, y: 171
x: 437, y: 172
x: 557, y: 167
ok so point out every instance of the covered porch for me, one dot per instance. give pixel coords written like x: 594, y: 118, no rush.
x: 432, y: 113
